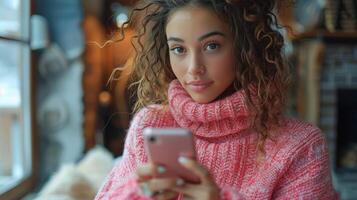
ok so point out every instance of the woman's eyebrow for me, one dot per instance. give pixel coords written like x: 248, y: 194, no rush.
x: 211, y: 34
x: 176, y: 39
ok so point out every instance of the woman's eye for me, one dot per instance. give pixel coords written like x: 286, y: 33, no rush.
x: 177, y: 50
x: 212, y: 46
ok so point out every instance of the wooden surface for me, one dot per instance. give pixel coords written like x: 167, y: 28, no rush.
x: 326, y: 35
x: 310, y: 59
x: 20, y: 190
x: 94, y: 60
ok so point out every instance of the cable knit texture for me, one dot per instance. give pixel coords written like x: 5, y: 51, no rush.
x: 295, y: 166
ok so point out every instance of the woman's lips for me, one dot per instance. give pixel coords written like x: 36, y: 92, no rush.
x: 199, y: 86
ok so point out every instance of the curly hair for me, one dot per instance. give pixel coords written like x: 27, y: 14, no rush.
x: 257, y: 44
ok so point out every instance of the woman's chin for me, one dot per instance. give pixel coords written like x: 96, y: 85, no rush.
x: 202, y: 99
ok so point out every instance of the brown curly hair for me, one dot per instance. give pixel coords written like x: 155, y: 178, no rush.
x: 258, y: 46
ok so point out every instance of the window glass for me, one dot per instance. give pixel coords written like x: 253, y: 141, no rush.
x: 15, y: 109
x: 13, y: 19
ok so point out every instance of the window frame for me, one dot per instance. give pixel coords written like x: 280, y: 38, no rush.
x: 28, y: 183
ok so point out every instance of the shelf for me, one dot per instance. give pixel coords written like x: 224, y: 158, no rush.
x: 340, y: 36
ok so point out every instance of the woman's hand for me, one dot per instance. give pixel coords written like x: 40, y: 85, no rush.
x: 157, y: 188
x: 205, y: 190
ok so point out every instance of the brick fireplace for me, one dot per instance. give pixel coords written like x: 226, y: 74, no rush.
x: 338, y: 113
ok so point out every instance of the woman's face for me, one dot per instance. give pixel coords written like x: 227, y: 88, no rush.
x: 201, y: 52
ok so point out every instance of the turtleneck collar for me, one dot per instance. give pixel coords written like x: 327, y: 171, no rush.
x: 216, y: 119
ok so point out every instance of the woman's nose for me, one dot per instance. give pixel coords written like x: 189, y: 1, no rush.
x: 195, y: 65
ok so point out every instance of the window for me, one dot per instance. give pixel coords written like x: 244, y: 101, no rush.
x: 15, y: 97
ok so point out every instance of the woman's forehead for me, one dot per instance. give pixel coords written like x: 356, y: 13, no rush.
x: 194, y: 20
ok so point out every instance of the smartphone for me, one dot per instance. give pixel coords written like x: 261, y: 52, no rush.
x: 165, y: 145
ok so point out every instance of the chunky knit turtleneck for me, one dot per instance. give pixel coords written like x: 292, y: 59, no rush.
x: 295, y: 166
x: 219, y: 118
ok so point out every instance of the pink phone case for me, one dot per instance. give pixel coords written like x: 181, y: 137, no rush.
x: 165, y: 145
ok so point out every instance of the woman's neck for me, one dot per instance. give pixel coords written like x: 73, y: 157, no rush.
x: 228, y: 92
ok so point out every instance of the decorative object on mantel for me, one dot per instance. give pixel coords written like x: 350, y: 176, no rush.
x: 301, y: 15
x: 308, y: 14
x: 349, y: 157
x: 341, y: 15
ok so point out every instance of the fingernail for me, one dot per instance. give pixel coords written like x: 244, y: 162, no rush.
x: 161, y: 169
x: 145, y: 190
x: 180, y: 182
x: 183, y: 160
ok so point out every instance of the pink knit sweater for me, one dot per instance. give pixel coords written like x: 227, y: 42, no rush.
x: 295, y: 167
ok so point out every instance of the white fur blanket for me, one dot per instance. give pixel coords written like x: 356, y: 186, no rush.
x: 81, y: 181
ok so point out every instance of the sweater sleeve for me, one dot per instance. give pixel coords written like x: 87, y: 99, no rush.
x: 121, y: 181
x: 308, y: 175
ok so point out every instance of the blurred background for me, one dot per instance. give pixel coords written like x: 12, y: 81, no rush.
x: 63, y: 125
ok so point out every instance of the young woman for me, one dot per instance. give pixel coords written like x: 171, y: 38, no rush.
x: 216, y: 68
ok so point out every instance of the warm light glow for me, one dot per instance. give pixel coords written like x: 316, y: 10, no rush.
x: 121, y: 19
